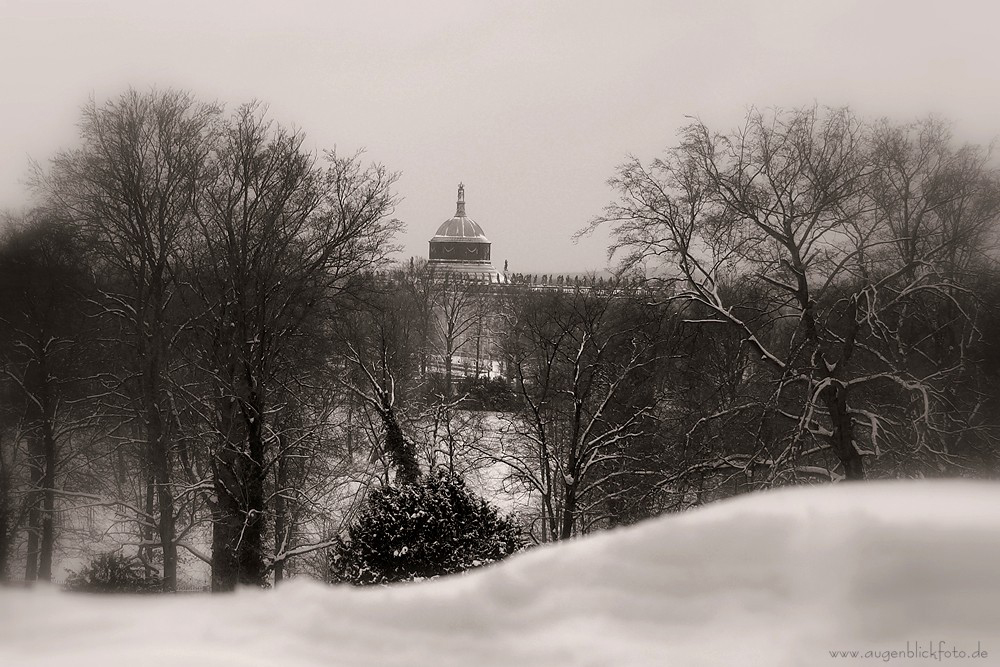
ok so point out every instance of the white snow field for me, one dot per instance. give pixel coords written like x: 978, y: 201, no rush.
x: 779, y: 578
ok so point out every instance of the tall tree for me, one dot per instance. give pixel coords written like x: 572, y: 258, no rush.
x: 42, y: 286
x: 133, y: 186
x: 280, y: 238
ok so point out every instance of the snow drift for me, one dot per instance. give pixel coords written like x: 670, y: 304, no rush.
x: 779, y: 578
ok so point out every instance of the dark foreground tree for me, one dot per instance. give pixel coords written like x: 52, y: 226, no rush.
x: 42, y: 279
x: 280, y: 236
x: 434, y: 527
x: 132, y: 187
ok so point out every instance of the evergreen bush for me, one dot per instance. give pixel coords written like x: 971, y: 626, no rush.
x: 434, y: 527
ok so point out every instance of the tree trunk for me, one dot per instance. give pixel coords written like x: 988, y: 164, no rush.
x: 448, y: 370
x: 400, y: 451
x: 569, y: 513
x: 253, y: 570
x: 5, y: 541
x: 479, y: 344
x: 48, y: 537
x: 281, y: 481
x: 225, y: 568
x: 34, y: 525
x: 160, y: 467
x: 237, y: 537
x: 146, y: 530
x: 42, y: 448
x: 226, y: 519
x: 842, y: 440
x: 239, y: 521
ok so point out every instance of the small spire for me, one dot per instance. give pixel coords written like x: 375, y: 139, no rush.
x: 460, y: 210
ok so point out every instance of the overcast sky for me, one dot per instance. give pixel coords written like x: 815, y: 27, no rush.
x: 531, y: 104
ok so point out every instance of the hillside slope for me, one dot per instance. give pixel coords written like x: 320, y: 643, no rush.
x: 780, y: 578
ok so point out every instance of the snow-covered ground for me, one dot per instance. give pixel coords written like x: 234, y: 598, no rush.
x: 780, y: 578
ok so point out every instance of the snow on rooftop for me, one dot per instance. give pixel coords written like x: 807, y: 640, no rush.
x: 779, y: 578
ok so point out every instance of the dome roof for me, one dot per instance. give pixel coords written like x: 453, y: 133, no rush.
x: 461, y: 228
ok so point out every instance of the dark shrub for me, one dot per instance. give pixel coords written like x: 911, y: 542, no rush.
x: 431, y: 528
x: 112, y: 573
x: 492, y: 394
x: 480, y: 393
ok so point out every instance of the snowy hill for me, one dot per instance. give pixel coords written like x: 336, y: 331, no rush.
x: 782, y: 578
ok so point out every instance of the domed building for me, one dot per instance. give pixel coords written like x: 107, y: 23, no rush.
x: 460, y: 247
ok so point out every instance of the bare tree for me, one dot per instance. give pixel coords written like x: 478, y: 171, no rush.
x: 457, y: 312
x: 576, y: 358
x: 378, y: 366
x: 837, y: 237
x: 280, y: 238
x: 132, y: 186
